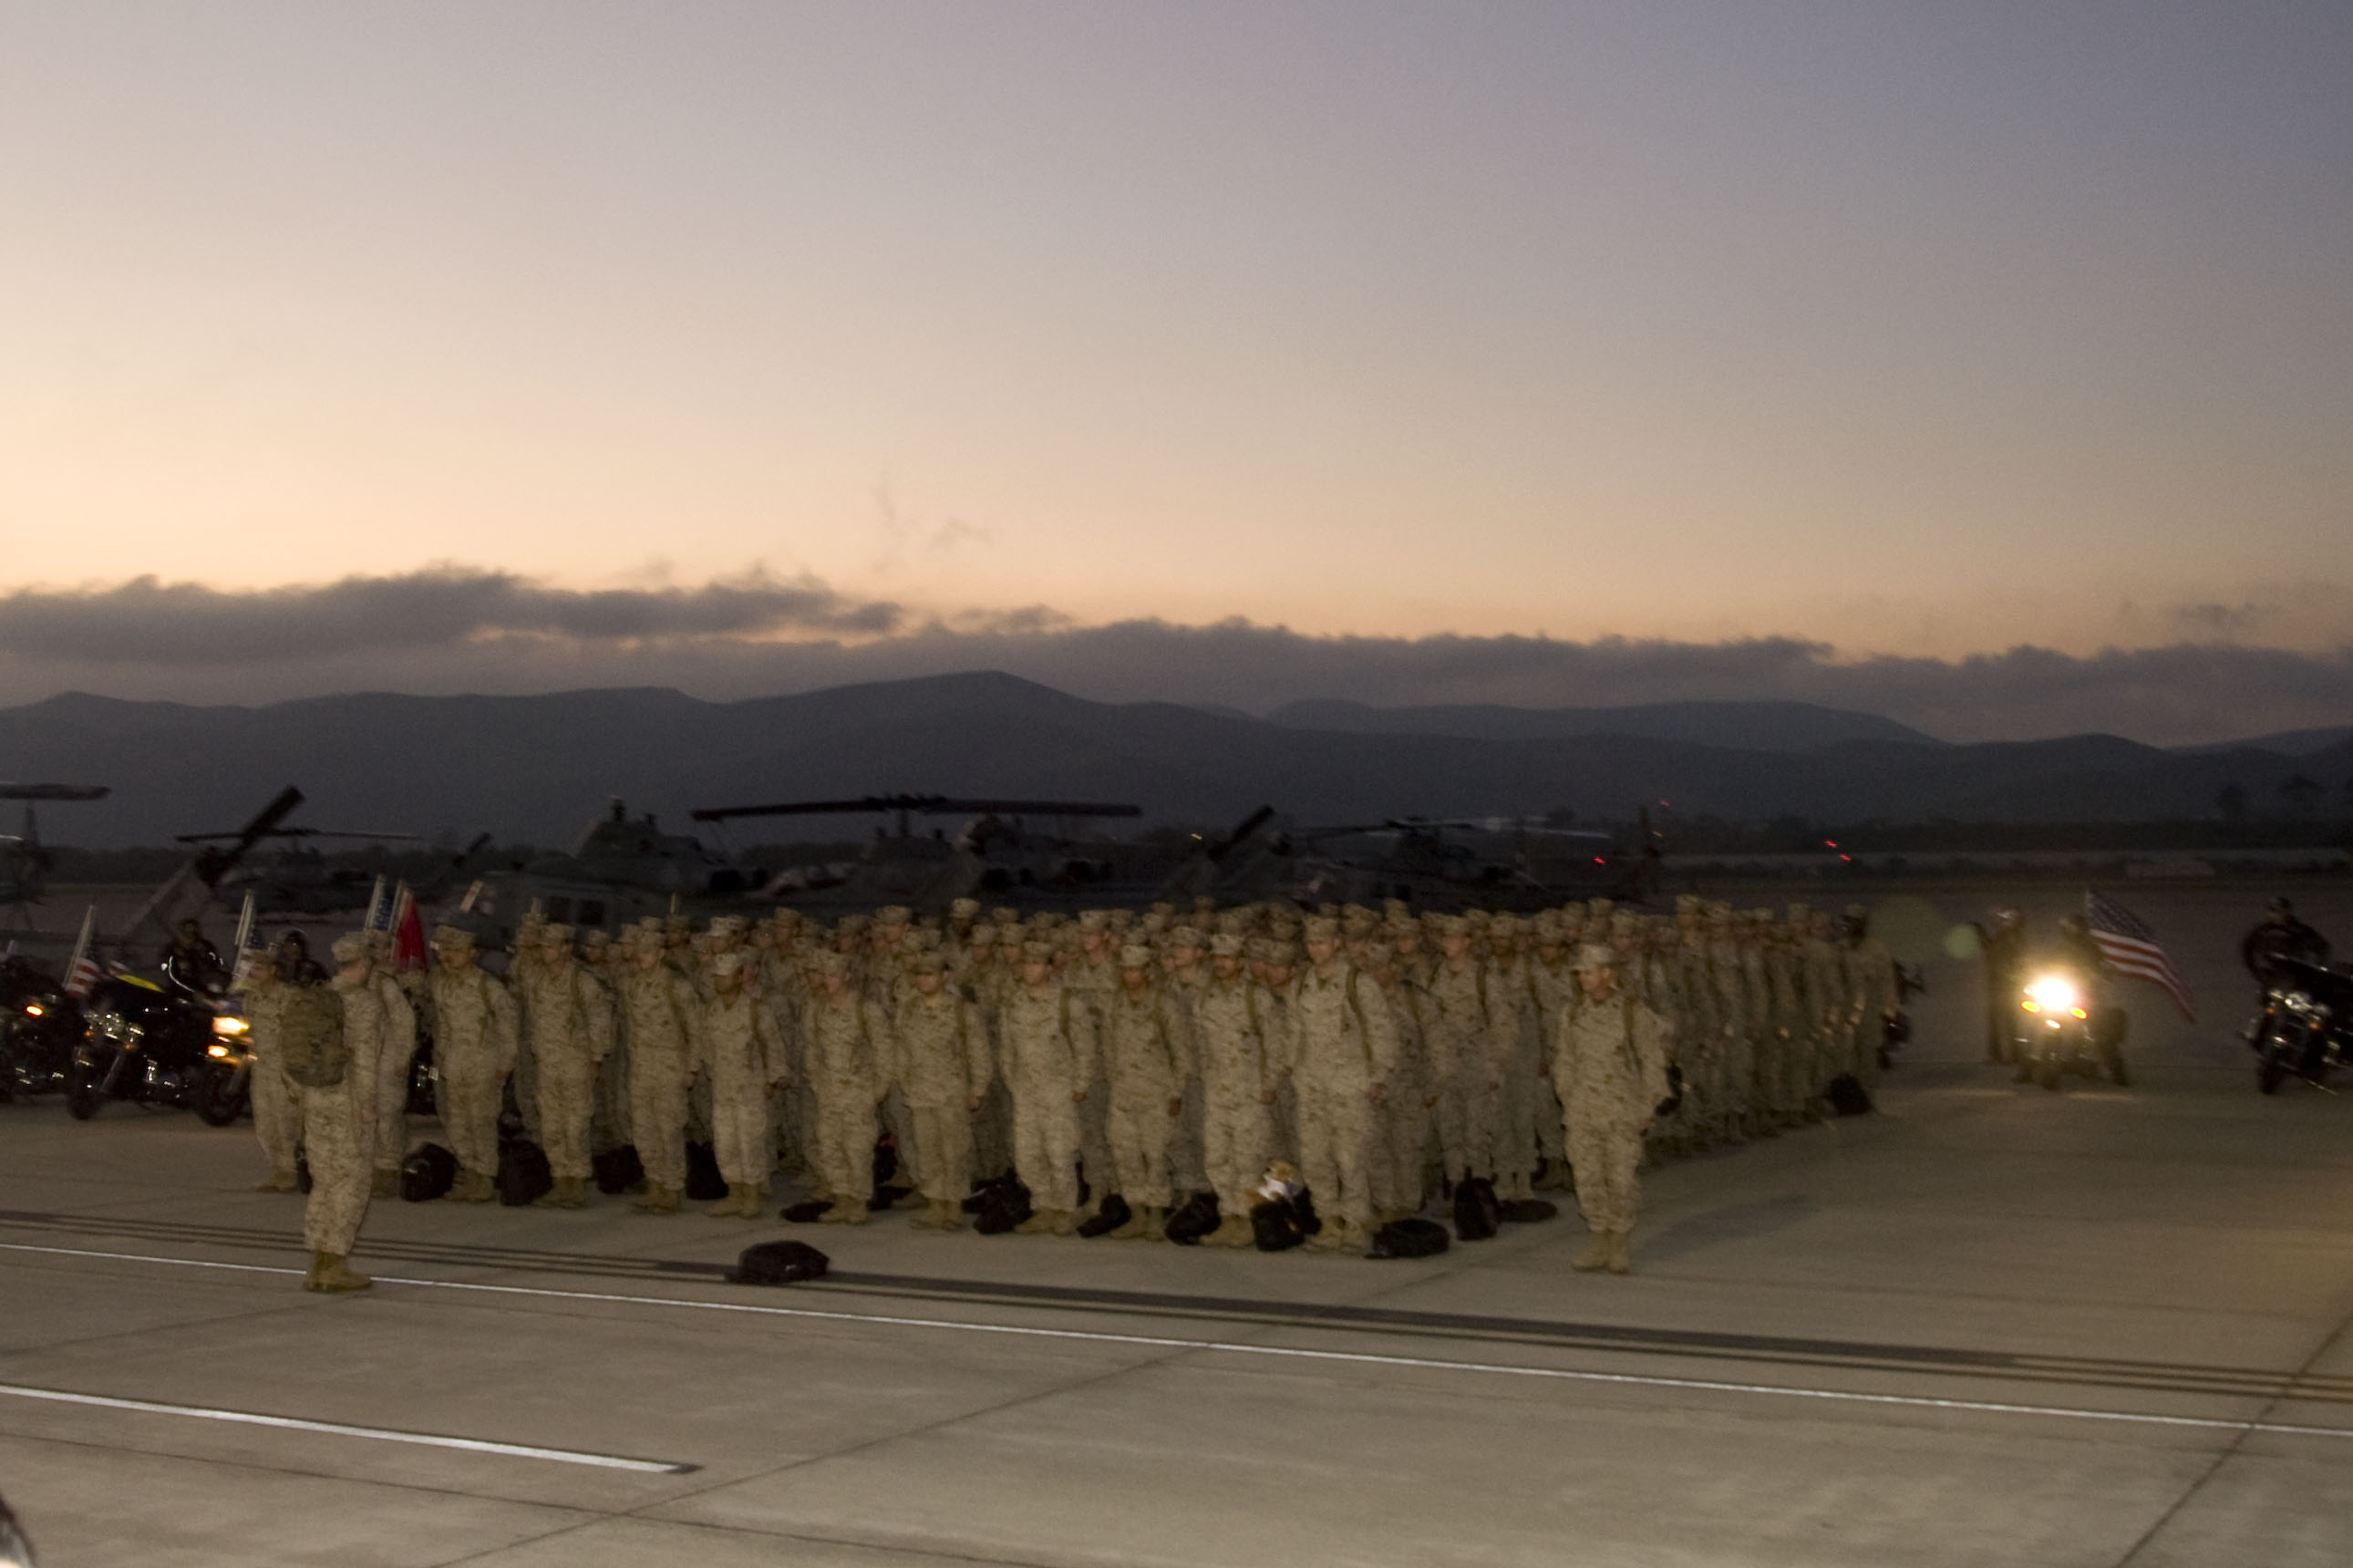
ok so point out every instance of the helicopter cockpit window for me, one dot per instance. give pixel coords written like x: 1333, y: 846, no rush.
x: 592, y: 912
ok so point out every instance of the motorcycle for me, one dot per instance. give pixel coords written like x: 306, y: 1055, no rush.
x: 39, y: 1027
x: 2305, y: 1027
x: 2062, y: 1029
x: 160, y: 1044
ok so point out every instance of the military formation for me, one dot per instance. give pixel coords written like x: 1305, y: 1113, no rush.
x: 1387, y: 1054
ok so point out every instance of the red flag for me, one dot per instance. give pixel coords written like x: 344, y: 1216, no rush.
x: 407, y: 932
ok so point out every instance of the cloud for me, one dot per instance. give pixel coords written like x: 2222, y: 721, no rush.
x: 149, y: 622
x: 454, y: 628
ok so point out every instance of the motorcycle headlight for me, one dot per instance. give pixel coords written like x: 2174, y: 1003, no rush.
x: 34, y: 1010
x: 230, y: 1026
x: 2302, y: 1005
x: 2053, y: 994
x: 220, y: 1052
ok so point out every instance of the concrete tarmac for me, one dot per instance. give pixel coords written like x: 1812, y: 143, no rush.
x: 1988, y: 1324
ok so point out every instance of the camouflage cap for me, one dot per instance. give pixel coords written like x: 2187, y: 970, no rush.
x: 454, y: 937
x: 964, y: 909
x: 926, y: 963
x: 1596, y: 956
x: 351, y: 947
x: 893, y: 915
x: 1227, y: 944
x: 1323, y: 928
x: 729, y: 963
x: 1186, y: 936
x: 1037, y: 953
x: 832, y: 960
x: 1094, y: 920
x: 1135, y: 955
x: 1005, y: 917
x: 549, y: 935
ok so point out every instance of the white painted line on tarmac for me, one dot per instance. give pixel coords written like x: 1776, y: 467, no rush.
x: 339, y: 1430
x: 1628, y: 1379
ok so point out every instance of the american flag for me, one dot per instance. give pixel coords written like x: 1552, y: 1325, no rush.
x: 2132, y: 949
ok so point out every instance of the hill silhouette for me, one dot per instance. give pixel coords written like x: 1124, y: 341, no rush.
x: 535, y: 769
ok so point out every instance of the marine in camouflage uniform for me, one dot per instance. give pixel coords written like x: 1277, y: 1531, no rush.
x: 944, y: 1067
x: 1047, y: 1045
x: 658, y: 1010
x: 1344, y: 1050
x: 1146, y: 1056
x: 569, y: 1023
x: 474, y: 1037
x: 738, y: 1053
x: 1610, y: 1065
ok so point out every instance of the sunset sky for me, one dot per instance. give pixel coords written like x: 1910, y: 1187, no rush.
x: 1913, y: 329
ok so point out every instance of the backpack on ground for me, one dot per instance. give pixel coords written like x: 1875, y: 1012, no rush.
x: 1005, y: 1204
x: 1408, y: 1238
x: 1194, y: 1219
x: 778, y: 1263
x: 1114, y: 1214
x: 523, y: 1176
x: 1275, y: 1227
x: 1847, y: 1096
x: 705, y: 1185
x: 1476, y: 1211
x: 427, y: 1174
x: 618, y: 1170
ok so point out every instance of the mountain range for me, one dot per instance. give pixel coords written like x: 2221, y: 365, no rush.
x: 535, y: 769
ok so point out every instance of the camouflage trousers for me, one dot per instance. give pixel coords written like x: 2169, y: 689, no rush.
x: 334, y: 1143
x: 1046, y: 1146
x: 1605, y: 1149
x: 1139, y: 1132
x: 1336, y: 1146
x: 566, y: 1091
x: 658, y: 1117
x: 1236, y: 1138
x: 276, y: 1113
x: 942, y: 1162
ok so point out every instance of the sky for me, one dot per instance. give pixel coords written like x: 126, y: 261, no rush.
x: 460, y: 345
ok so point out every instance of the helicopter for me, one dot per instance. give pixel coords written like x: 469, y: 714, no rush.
x: 24, y: 863
x: 1507, y: 863
x: 298, y: 880
x: 622, y: 868
x: 996, y: 855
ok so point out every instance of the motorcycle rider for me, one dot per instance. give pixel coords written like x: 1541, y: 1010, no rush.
x: 190, y: 961
x: 2280, y: 936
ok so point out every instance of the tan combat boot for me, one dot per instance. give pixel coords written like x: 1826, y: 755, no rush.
x: 571, y: 1193
x: 1621, y: 1255
x: 1065, y: 1222
x: 328, y: 1274
x: 1139, y: 1223
x: 1595, y: 1256
x: 853, y: 1211
x: 280, y: 1180
x: 385, y: 1185
x: 727, y: 1208
x: 1156, y: 1223
x: 658, y: 1200
x: 951, y: 1216
x: 1038, y: 1224
x: 473, y: 1187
